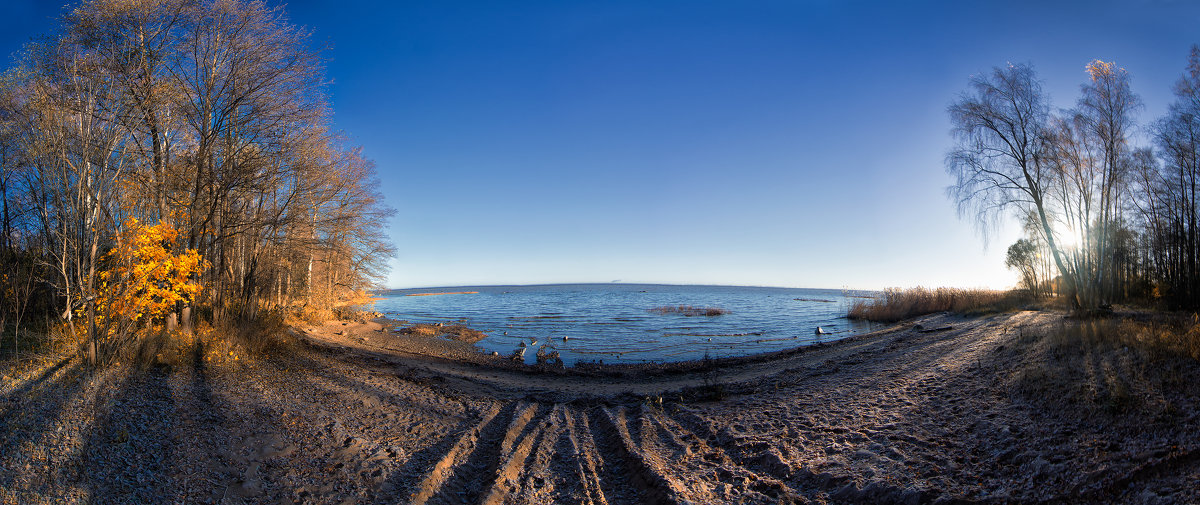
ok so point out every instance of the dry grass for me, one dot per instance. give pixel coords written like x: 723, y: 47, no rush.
x: 226, y: 342
x: 688, y: 310
x: 896, y: 304
x: 309, y: 315
x: 1112, y: 366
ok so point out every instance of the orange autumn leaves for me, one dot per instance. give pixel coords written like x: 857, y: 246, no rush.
x: 143, y: 278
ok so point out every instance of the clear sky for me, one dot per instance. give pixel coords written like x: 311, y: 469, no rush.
x: 789, y: 143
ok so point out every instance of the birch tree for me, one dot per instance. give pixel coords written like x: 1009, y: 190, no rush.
x: 1002, y: 161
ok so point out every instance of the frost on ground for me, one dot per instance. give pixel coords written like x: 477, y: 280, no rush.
x: 359, y: 415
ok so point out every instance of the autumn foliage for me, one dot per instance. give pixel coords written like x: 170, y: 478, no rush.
x: 211, y: 116
x: 144, y: 278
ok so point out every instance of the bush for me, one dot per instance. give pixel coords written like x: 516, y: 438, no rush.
x: 142, y: 282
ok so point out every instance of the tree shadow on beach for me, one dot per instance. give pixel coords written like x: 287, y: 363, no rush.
x: 159, y: 435
x: 27, y: 414
x: 129, y: 447
x: 203, y: 450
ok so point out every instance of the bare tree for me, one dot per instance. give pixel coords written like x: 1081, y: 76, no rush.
x: 1070, y: 172
x: 1104, y: 114
x: 1001, y: 161
x: 1167, y: 191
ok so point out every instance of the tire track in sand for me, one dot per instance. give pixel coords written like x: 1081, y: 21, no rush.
x: 615, y: 437
x: 457, y: 477
x: 516, y: 473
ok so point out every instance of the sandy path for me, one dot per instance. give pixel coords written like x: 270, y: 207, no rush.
x: 900, y: 416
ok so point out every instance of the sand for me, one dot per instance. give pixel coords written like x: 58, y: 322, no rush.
x: 897, y: 416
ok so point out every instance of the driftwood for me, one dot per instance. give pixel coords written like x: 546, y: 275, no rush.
x: 932, y: 330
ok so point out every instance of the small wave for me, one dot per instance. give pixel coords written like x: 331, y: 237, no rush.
x: 535, y: 318
x: 612, y: 351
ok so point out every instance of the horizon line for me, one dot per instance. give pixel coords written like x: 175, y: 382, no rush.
x: 616, y: 284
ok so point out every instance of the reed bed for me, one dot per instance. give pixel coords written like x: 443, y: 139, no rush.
x: 896, y: 304
x: 451, y: 331
x: 688, y: 310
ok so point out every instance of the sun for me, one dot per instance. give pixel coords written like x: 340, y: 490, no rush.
x: 1065, y: 237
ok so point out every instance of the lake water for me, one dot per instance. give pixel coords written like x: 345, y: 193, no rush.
x: 615, y: 323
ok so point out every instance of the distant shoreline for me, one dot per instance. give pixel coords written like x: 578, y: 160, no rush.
x: 653, y: 284
x: 447, y: 293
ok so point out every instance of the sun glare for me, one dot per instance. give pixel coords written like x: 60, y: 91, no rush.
x: 1067, y: 238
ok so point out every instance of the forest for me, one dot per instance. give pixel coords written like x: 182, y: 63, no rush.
x: 164, y: 162
x: 1108, y: 205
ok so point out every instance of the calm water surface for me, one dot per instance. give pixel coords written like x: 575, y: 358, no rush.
x: 613, y: 323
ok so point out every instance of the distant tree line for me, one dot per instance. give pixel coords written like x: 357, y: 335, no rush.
x: 1107, y: 220
x: 207, y: 117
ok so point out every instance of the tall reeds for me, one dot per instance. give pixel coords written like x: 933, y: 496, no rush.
x: 688, y: 310
x: 896, y: 304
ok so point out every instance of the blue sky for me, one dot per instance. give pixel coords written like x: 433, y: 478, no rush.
x: 764, y: 143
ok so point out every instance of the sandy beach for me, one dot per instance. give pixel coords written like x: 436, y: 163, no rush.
x: 353, y: 412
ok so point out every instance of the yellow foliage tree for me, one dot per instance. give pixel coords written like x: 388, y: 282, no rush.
x: 143, y: 279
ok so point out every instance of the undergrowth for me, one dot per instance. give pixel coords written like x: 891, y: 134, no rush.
x: 1112, y: 366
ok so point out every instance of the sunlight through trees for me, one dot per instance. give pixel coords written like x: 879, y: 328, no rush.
x: 1118, y: 220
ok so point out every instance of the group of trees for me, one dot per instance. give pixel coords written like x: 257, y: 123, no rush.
x: 1107, y: 220
x: 207, y: 121
x: 1027, y: 257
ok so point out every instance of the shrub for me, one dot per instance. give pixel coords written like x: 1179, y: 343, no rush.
x: 141, y: 283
